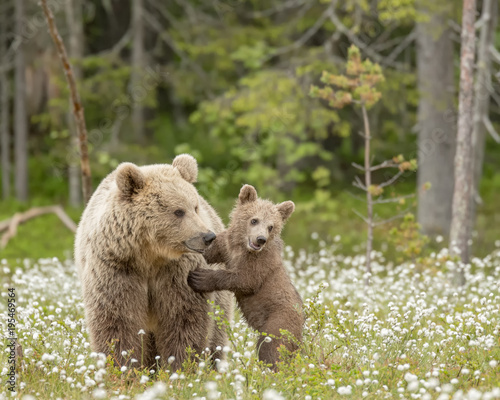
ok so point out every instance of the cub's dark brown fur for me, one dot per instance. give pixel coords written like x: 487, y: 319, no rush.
x: 251, y: 248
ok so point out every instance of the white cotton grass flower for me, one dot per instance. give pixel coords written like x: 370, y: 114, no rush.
x: 345, y: 390
x: 170, y: 359
x: 99, y: 393
x: 211, y: 388
x: 48, y: 357
x: 268, y: 339
x: 156, y: 391
x: 271, y: 394
x: 412, y: 386
x: 141, y: 332
x: 174, y: 376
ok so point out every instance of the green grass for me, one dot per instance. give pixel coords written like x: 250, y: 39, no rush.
x: 46, y: 236
x: 40, y: 237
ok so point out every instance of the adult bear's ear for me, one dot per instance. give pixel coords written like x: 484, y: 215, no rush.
x: 187, y: 166
x: 129, y: 178
x: 247, y: 194
x: 286, y: 209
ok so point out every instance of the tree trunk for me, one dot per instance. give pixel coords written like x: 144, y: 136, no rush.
x: 436, y: 136
x: 78, y: 110
x: 369, y: 199
x: 137, y: 92
x: 74, y: 19
x: 4, y: 112
x: 482, y: 94
x: 461, y: 223
x: 20, y: 116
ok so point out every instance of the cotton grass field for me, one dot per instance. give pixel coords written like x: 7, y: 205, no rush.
x: 411, y: 335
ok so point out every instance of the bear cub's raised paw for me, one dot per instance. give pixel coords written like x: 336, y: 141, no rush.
x: 200, y: 280
x: 251, y: 249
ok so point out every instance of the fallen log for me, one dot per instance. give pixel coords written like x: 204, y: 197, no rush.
x: 10, y: 225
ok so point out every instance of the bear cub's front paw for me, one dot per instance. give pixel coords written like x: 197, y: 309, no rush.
x: 199, y: 280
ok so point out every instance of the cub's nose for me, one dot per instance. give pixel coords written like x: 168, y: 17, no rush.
x: 261, y: 240
x: 208, y: 238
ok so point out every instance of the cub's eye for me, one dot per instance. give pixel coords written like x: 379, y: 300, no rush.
x: 270, y: 228
x: 196, y: 209
x: 254, y: 221
x: 179, y: 213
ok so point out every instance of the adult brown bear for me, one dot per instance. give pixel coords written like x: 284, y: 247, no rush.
x: 143, y: 231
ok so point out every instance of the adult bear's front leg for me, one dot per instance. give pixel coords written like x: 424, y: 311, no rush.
x: 182, y: 314
x: 116, y: 304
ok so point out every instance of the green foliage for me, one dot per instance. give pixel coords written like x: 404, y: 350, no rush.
x: 357, y: 86
x: 270, y: 139
x: 396, y: 10
x: 408, y: 239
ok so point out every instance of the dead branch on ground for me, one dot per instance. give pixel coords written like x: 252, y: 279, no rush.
x: 10, y: 225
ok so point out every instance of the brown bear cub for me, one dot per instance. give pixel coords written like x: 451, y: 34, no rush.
x: 251, y: 248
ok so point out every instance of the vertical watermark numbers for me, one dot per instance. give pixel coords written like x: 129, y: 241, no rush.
x: 11, y: 339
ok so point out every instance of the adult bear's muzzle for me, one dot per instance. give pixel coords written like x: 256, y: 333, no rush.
x: 200, y: 242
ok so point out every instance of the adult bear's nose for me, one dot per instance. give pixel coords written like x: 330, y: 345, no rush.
x: 261, y: 240
x: 208, y: 238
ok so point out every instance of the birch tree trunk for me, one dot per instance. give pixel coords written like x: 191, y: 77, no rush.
x: 436, y: 127
x: 74, y: 20
x: 462, y: 198
x: 4, y: 112
x: 20, y: 116
x: 136, y: 91
x: 482, y: 89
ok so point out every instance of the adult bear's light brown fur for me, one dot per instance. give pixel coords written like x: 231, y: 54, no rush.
x: 251, y: 248
x: 142, y: 232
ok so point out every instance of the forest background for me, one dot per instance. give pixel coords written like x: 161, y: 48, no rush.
x: 229, y: 82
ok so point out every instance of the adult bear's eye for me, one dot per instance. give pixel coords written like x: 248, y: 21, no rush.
x: 270, y: 228
x: 254, y: 221
x: 180, y: 213
x: 196, y: 209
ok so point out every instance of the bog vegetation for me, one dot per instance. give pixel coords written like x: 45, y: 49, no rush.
x: 410, y: 335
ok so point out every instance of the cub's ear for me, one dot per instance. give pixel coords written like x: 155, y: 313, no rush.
x: 187, y: 166
x: 286, y: 209
x: 247, y: 194
x: 129, y: 178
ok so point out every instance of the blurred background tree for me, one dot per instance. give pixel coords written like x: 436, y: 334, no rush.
x: 228, y: 82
